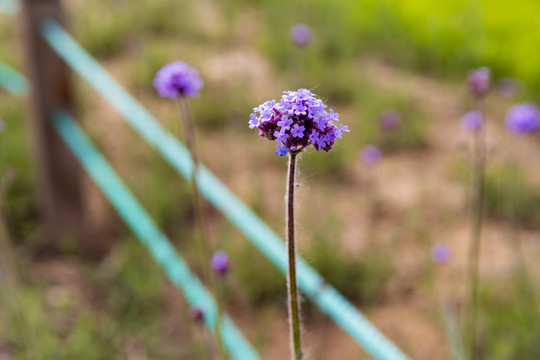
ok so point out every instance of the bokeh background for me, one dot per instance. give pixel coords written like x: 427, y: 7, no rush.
x: 368, y: 229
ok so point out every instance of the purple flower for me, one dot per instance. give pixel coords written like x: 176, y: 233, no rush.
x: 281, y: 150
x: 370, y: 154
x: 298, y: 131
x: 220, y: 262
x: 440, y: 253
x: 197, y: 314
x: 389, y: 119
x: 301, y: 34
x: 2, y: 125
x: 178, y: 79
x: 478, y: 81
x: 281, y: 136
x: 472, y: 120
x: 297, y: 121
x: 341, y: 130
x: 523, y: 118
x: 285, y: 122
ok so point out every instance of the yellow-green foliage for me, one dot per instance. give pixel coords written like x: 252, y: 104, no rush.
x: 443, y: 37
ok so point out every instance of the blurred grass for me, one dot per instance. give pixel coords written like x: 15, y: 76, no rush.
x: 362, y: 278
x: 510, y: 196
x: 445, y: 39
x: 511, y: 326
x: 17, y: 172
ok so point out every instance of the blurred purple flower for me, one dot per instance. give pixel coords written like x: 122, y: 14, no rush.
x: 296, y: 122
x: 2, y: 125
x: 523, y: 118
x: 220, y: 262
x: 390, y: 119
x: 301, y: 34
x: 478, y: 81
x: 370, y: 154
x: 472, y: 120
x: 178, y: 79
x: 197, y: 314
x: 440, y: 253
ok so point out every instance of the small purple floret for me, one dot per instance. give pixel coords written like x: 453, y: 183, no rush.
x: 297, y: 121
x: 370, y: 154
x: 2, y: 125
x: 472, y: 120
x: 478, y: 81
x: 440, y: 253
x: 282, y: 150
x: 523, y: 118
x: 298, y: 131
x: 301, y: 34
x: 220, y: 262
x: 390, y: 119
x: 178, y: 79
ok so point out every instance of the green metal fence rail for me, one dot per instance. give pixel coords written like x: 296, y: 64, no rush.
x: 9, y: 7
x: 12, y: 81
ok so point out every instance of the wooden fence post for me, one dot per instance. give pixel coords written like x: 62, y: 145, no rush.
x: 59, y: 175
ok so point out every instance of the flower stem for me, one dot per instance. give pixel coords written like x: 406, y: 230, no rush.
x: 190, y: 138
x: 479, y: 159
x: 294, y: 306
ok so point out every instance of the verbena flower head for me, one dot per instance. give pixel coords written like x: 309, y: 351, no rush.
x: 220, y: 262
x: 440, y: 253
x: 370, y: 154
x: 472, y: 120
x: 523, y: 118
x: 178, y: 79
x: 301, y: 34
x: 390, y: 119
x: 299, y: 120
x: 478, y: 81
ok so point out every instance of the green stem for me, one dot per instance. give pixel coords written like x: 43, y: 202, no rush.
x: 190, y: 138
x: 294, y: 318
x: 477, y: 218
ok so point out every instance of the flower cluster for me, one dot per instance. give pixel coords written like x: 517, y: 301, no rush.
x: 297, y: 121
x: 220, y: 262
x: 178, y: 79
x: 370, y: 154
x: 478, y: 81
x: 301, y: 34
x: 523, y: 118
x: 472, y: 120
x: 440, y: 253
